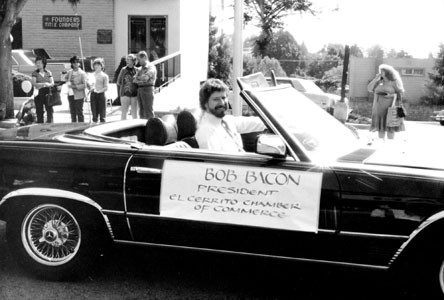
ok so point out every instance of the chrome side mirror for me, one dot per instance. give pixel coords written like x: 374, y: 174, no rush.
x: 270, y: 144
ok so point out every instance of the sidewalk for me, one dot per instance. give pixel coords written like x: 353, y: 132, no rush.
x: 62, y: 115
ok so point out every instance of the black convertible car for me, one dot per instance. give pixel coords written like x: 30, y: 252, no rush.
x: 305, y: 189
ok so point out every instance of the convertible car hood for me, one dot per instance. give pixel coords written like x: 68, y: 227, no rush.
x: 416, y: 157
x: 403, y: 155
x: 41, y: 131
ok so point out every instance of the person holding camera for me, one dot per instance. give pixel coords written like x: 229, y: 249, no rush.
x: 387, y: 87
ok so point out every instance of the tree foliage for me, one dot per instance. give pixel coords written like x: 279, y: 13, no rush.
x: 435, y: 84
x: 284, y: 48
x: 375, y: 51
x: 269, y: 14
x: 264, y: 65
x: 219, y: 54
x: 330, y: 56
x: 398, y: 54
x: 356, y: 51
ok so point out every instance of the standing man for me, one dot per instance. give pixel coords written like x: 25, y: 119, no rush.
x: 216, y: 130
x: 145, y: 79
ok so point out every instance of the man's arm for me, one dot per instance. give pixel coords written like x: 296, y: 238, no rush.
x: 248, y: 124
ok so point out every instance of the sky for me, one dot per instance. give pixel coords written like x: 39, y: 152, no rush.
x: 409, y: 25
x: 412, y: 26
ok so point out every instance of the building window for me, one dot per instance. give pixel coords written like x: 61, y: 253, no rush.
x: 413, y: 72
x: 148, y: 33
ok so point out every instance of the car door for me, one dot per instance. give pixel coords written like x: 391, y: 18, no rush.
x: 169, y: 193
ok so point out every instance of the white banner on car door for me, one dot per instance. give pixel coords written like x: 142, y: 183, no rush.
x: 253, y: 196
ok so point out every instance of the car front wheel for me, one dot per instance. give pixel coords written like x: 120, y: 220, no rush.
x: 52, y: 241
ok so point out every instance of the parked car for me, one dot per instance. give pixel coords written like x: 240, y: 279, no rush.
x: 23, y: 89
x: 312, y: 91
x: 305, y: 190
x: 438, y: 116
x: 23, y: 61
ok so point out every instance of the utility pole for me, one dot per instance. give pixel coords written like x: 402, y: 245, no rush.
x: 237, y: 56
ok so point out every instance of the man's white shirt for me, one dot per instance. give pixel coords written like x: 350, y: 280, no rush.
x: 212, y: 135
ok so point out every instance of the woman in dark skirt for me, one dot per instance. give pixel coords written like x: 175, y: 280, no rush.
x: 387, y: 87
x: 42, y: 80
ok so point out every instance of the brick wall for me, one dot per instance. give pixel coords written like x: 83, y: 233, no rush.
x: 62, y: 43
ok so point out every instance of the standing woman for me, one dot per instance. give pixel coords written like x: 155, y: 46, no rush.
x: 145, y: 79
x: 42, y: 80
x: 98, y: 89
x: 76, y: 83
x: 386, y: 86
x: 127, y: 89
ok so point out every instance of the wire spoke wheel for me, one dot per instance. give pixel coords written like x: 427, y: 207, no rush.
x: 50, y: 235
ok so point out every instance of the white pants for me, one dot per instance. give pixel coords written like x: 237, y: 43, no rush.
x: 125, y: 102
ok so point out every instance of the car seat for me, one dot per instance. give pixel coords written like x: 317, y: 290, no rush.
x: 159, y: 132
x: 186, y: 128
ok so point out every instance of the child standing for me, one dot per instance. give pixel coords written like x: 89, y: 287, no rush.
x: 76, y: 93
x: 98, y: 89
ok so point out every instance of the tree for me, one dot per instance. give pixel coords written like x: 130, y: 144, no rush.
x: 401, y: 54
x: 269, y: 14
x: 375, y: 51
x: 284, y: 48
x: 9, y: 11
x: 356, y: 51
x: 219, y: 55
x: 330, y: 56
x: 435, y: 86
x: 264, y: 65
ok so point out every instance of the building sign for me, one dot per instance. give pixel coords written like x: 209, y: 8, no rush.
x: 62, y: 22
x: 252, y: 196
x: 104, y: 36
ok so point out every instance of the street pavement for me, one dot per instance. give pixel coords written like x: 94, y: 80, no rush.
x: 131, y: 273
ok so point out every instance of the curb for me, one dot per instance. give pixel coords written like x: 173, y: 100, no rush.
x: 9, y: 123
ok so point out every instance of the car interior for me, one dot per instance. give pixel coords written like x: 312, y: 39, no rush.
x: 175, y: 130
x: 169, y: 131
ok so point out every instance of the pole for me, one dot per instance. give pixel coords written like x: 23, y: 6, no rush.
x: 237, y: 56
x: 345, y: 72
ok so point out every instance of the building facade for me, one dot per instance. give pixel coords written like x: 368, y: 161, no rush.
x: 113, y: 28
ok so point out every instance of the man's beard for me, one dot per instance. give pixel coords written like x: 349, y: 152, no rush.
x: 219, y: 110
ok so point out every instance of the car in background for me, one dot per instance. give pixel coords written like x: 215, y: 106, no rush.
x: 23, y: 61
x: 312, y: 91
x: 23, y: 89
x: 439, y: 116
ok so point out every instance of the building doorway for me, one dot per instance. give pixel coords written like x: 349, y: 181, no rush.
x: 148, y: 33
x: 16, y: 32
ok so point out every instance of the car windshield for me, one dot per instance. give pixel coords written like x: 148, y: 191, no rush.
x: 22, y: 59
x: 323, y: 137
